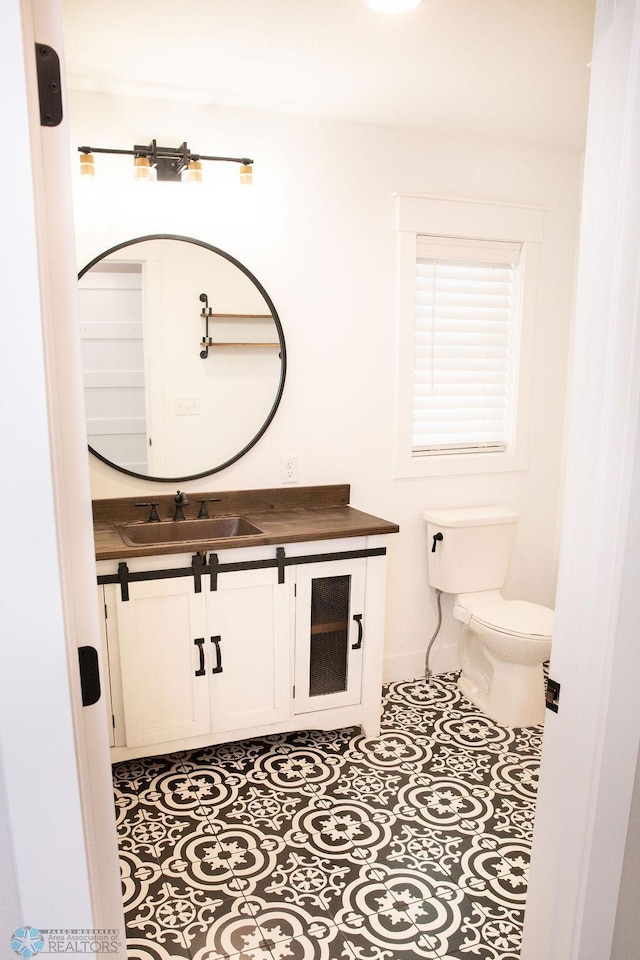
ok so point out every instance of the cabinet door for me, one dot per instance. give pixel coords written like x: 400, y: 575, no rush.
x: 330, y: 634
x: 248, y: 650
x: 163, y: 635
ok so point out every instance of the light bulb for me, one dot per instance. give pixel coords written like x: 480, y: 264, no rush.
x: 142, y: 168
x: 246, y: 174
x: 193, y: 173
x: 392, y: 6
x: 87, y: 167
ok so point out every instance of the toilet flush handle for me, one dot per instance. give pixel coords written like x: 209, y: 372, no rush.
x: 436, y: 539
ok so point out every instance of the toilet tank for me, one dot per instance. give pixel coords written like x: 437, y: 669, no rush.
x: 472, y: 547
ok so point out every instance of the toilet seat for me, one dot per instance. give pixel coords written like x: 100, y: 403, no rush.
x: 516, y: 618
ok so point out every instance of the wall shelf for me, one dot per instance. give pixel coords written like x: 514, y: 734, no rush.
x: 238, y: 343
x: 238, y: 316
x: 207, y: 342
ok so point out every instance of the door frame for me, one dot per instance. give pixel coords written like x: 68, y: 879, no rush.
x: 55, y: 527
x: 572, y: 899
x: 591, y: 745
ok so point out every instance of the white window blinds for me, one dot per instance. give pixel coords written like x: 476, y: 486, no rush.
x: 466, y: 345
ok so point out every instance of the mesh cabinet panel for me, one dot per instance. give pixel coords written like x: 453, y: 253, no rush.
x: 329, y: 658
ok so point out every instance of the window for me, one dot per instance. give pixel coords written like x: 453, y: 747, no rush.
x: 465, y: 336
x: 467, y: 276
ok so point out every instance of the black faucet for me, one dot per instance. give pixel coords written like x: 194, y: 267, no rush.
x: 180, y: 502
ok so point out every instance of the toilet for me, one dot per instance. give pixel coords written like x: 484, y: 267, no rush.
x: 503, y: 643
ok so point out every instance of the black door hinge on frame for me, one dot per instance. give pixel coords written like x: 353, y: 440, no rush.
x: 49, y: 85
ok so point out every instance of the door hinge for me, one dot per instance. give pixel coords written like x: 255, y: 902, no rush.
x: 294, y: 693
x: 552, y: 695
x: 113, y: 721
x: 49, y: 85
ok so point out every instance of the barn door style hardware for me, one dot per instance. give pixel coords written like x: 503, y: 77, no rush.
x: 49, y: 85
x: 199, y: 568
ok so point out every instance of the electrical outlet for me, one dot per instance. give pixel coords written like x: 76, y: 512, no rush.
x: 289, y: 469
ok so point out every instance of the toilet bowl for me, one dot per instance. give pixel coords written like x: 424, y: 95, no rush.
x: 503, y: 643
x: 503, y: 647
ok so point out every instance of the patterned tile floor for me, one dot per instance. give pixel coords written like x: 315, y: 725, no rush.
x: 313, y: 845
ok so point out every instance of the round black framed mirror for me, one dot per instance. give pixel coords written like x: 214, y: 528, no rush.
x: 183, y: 357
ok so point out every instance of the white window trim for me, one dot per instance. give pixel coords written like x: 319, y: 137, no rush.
x: 469, y: 220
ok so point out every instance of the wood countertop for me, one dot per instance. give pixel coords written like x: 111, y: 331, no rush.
x: 282, y: 514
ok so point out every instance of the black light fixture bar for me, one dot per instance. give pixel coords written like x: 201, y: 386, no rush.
x: 168, y: 161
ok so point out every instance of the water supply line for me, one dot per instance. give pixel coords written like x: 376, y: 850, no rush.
x: 427, y: 672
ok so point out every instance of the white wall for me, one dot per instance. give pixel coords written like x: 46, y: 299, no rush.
x: 317, y: 231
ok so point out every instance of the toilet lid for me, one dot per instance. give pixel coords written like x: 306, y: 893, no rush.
x: 518, y: 617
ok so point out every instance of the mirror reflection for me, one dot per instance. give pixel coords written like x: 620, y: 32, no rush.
x: 183, y: 357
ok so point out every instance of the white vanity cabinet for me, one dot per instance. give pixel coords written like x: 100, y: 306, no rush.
x: 261, y: 647
x: 192, y: 663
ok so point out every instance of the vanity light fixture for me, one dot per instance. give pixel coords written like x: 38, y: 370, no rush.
x: 153, y: 162
x: 392, y: 6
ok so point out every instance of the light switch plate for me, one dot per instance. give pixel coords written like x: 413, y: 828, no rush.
x: 188, y: 407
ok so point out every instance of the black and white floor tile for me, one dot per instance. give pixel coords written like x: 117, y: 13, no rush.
x: 333, y: 846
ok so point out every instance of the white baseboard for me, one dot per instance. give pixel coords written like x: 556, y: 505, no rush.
x: 406, y: 666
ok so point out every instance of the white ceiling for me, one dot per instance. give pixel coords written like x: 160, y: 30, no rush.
x: 512, y: 69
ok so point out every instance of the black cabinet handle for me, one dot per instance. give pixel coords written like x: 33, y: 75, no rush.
x: 358, y: 619
x: 218, y: 667
x: 199, y: 643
